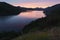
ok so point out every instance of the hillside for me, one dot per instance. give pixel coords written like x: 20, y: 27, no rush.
x: 48, y: 22
x: 7, y: 9
x: 47, y: 28
x: 52, y: 10
x: 53, y: 34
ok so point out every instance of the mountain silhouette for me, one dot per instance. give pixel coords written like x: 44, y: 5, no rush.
x: 7, y: 9
x: 52, y: 10
x: 51, y: 20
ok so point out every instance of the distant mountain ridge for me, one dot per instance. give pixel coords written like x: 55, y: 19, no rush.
x: 7, y: 9
x: 52, y: 9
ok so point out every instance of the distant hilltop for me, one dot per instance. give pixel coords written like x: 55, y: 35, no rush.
x: 52, y: 10
x: 7, y: 9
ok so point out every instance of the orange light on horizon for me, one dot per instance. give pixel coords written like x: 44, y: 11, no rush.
x: 34, y: 5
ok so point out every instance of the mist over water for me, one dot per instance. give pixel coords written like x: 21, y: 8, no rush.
x: 17, y: 22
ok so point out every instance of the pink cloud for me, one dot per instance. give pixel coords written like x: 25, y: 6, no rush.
x: 33, y: 4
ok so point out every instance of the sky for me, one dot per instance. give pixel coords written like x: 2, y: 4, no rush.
x: 32, y: 3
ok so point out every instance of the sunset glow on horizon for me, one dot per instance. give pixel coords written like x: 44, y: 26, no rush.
x: 34, y: 5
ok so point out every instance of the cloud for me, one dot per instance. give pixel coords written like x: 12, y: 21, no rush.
x: 22, y: 1
x: 25, y: 1
x: 33, y: 4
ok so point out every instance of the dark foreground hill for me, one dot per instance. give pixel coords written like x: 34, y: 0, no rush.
x: 52, y: 19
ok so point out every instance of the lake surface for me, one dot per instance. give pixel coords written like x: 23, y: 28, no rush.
x: 33, y: 14
x: 18, y: 22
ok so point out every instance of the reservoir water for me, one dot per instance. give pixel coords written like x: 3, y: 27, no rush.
x: 17, y: 22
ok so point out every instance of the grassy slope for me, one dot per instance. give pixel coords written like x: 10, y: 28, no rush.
x: 53, y: 34
x: 33, y: 36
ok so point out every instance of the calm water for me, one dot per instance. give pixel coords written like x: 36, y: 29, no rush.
x: 17, y: 22
x: 32, y: 14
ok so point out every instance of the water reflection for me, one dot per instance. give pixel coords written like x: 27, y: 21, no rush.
x: 33, y: 14
x: 18, y: 22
